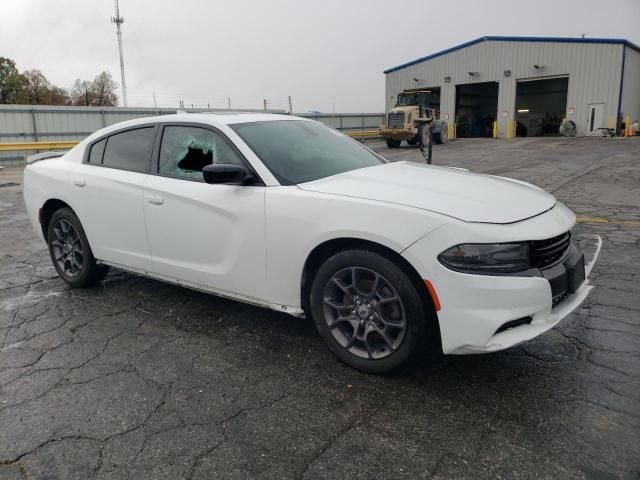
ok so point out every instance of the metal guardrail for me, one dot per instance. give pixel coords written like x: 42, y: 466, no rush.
x: 29, y: 146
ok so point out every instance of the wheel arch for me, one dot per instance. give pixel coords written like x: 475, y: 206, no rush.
x: 330, y: 247
x: 47, y: 210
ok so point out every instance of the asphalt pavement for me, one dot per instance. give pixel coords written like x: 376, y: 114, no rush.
x: 144, y: 380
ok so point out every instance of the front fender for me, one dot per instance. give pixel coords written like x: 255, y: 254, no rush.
x: 298, y: 221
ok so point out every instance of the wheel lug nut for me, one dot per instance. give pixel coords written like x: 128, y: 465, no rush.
x: 371, y: 318
x: 353, y: 311
x: 368, y: 305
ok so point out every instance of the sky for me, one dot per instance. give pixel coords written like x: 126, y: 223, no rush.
x: 325, y: 54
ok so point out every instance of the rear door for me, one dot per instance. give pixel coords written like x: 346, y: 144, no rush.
x: 109, y: 202
x: 204, y: 234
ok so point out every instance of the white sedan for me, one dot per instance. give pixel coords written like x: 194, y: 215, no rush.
x: 289, y: 214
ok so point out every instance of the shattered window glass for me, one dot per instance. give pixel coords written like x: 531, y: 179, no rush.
x: 185, y: 151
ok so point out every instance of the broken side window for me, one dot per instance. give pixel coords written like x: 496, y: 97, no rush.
x: 185, y: 151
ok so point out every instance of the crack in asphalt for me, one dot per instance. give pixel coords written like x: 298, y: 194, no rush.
x: 17, y: 311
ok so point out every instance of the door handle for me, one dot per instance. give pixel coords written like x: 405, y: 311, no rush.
x: 79, y: 183
x: 155, y: 199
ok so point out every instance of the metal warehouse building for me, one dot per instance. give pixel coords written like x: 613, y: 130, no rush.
x: 528, y: 84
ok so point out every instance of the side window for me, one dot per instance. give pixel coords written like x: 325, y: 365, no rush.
x: 97, y: 149
x: 130, y: 150
x: 185, y: 151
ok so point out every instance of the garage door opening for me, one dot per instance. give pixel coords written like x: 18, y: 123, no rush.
x: 540, y: 106
x: 476, y: 109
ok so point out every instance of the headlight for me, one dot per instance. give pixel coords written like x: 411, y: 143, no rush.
x: 487, y: 258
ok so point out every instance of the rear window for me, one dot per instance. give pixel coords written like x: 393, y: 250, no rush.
x: 130, y: 150
x: 97, y: 149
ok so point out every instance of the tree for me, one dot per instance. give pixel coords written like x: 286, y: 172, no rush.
x: 15, y: 90
x: 99, y: 92
x: 59, y: 96
x: 104, y: 89
x: 32, y: 87
x: 81, y: 93
x: 10, y: 81
x: 38, y: 90
x: 37, y: 87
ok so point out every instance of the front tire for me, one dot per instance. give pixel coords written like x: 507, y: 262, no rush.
x: 367, y: 310
x: 391, y: 143
x: 422, y: 136
x: 442, y: 135
x: 70, y: 251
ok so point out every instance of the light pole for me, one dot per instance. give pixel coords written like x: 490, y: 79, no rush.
x: 118, y: 20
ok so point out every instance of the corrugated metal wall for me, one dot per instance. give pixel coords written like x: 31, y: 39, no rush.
x: 630, y: 104
x: 594, y: 75
x: 30, y: 123
x: 26, y: 123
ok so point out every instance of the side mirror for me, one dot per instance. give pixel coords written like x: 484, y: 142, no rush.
x: 226, y: 173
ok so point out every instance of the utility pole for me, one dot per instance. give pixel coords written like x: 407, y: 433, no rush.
x: 265, y: 101
x: 290, y: 106
x: 229, y: 102
x: 154, y: 99
x: 118, y: 20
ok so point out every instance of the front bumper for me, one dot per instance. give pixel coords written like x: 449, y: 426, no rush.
x: 541, y: 321
x: 475, y: 307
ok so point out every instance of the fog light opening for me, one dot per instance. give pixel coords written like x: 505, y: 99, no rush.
x: 513, y: 324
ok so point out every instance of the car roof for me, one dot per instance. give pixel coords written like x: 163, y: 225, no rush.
x: 213, y: 118
x: 224, y: 118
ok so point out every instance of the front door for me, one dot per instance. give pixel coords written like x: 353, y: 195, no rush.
x: 207, y: 235
x: 595, y: 119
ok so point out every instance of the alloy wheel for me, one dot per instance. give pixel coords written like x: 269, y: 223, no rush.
x: 364, y: 313
x: 67, y: 248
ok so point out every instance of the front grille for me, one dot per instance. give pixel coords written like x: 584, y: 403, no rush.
x: 549, y: 252
x: 396, y: 120
x: 558, y: 298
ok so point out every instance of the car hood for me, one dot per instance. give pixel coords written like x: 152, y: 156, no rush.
x: 467, y: 196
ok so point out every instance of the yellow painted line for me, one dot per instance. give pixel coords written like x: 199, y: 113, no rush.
x: 606, y: 220
x: 18, y: 146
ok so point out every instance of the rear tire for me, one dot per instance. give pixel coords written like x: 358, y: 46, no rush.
x: 391, y: 143
x: 367, y: 310
x: 70, y: 251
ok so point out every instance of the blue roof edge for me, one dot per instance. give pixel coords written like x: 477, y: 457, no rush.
x: 619, y: 41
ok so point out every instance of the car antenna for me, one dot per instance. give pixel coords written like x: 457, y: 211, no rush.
x: 428, y: 155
